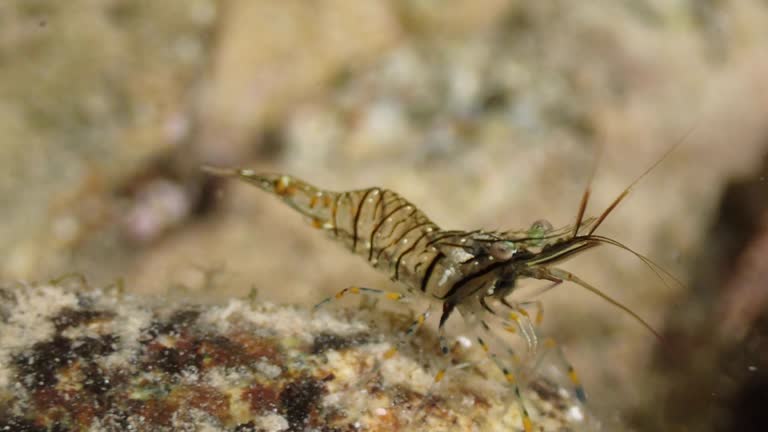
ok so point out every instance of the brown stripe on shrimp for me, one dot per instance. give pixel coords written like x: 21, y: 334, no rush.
x: 472, y: 271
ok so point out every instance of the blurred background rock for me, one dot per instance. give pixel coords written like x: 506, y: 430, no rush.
x: 486, y: 113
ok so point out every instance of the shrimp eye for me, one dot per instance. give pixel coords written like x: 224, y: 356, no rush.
x: 502, y: 250
x: 540, y: 228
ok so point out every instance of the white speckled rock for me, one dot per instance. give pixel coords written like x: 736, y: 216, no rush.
x: 83, y: 359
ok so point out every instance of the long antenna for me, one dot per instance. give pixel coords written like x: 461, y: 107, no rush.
x: 587, y: 192
x: 564, y: 275
x: 626, y: 191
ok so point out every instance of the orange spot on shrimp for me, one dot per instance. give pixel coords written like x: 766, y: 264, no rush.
x: 353, y: 290
x: 334, y: 210
x: 527, y: 425
x: 284, y: 187
x: 439, y: 377
x: 281, y: 185
x: 390, y: 353
x: 572, y: 375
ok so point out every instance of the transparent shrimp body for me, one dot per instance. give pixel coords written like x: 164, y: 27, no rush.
x: 473, y: 272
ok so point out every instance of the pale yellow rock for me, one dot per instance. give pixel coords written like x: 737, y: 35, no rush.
x: 238, y: 366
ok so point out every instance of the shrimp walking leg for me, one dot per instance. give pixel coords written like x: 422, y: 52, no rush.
x: 410, y: 331
x: 516, y: 321
x: 356, y: 290
x: 560, y: 274
x: 551, y: 346
x: 538, y: 318
x: 403, y: 340
x: 472, y: 318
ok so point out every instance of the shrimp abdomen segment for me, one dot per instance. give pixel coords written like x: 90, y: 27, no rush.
x: 317, y: 205
x: 375, y: 223
x: 384, y: 228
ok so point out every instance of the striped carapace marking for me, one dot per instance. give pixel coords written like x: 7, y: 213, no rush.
x: 461, y: 269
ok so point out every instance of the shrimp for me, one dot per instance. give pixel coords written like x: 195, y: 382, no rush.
x: 468, y: 271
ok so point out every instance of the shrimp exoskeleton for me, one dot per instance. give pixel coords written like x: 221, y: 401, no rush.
x: 473, y: 272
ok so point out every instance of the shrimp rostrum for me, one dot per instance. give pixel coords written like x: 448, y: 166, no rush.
x: 472, y: 272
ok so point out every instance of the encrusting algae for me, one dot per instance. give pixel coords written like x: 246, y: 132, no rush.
x: 78, y: 359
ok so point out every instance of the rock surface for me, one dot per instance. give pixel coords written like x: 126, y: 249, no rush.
x: 79, y: 359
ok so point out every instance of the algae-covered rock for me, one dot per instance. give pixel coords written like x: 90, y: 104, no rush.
x: 90, y: 359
